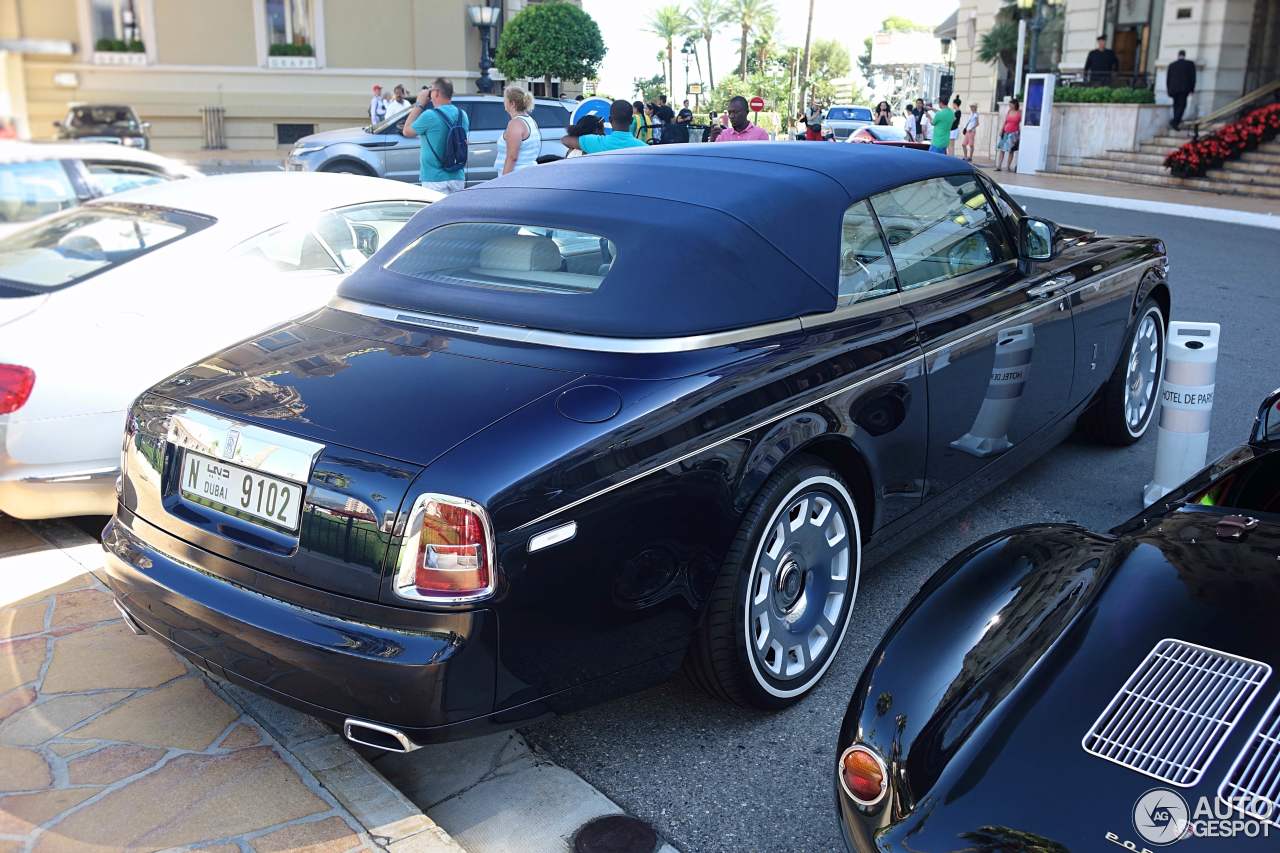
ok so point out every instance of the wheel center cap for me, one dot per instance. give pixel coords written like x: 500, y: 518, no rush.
x: 790, y: 585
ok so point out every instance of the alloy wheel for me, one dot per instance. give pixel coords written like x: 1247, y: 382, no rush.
x: 1142, y: 376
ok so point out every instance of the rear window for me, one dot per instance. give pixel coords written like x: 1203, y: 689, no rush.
x: 849, y: 114
x: 549, y: 116
x: 526, y: 258
x: 81, y: 243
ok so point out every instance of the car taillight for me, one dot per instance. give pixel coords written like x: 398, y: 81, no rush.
x: 863, y: 775
x: 448, y: 551
x: 16, y: 383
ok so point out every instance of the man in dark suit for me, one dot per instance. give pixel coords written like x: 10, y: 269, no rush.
x: 1180, y: 81
x: 1101, y: 64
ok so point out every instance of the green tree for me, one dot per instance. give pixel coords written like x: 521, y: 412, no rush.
x: 748, y: 15
x: 706, y: 17
x: 829, y: 61
x: 899, y: 24
x: 763, y: 46
x: 1000, y: 45
x: 864, y: 61
x: 649, y: 88
x: 667, y: 23
x: 550, y: 40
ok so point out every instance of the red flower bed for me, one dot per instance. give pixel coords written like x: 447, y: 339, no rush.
x: 1226, y: 143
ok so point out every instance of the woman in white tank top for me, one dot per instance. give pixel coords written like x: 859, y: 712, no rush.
x: 521, y: 142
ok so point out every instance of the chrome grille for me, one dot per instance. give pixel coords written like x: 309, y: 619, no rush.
x: 1252, y: 785
x: 1172, y: 715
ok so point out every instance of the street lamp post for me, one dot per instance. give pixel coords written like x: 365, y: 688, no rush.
x: 686, y: 50
x: 483, y: 18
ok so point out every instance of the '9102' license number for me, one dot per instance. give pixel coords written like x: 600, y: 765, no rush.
x: 241, y: 491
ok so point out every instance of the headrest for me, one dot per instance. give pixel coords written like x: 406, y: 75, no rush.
x: 520, y: 252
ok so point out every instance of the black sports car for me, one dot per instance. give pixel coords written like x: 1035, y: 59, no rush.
x: 116, y: 123
x: 518, y: 465
x: 1054, y: 689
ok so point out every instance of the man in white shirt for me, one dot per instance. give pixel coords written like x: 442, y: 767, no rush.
x: 377, y: 106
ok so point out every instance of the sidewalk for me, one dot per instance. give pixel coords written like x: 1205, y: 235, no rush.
x: 110, y: 740
x: 226, y: 159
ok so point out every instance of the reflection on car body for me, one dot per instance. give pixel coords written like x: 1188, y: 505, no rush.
x: 565, y: 462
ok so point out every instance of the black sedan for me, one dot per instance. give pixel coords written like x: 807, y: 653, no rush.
x: 116, y: 123
x: 1053, y: 689
x: 572, y: 429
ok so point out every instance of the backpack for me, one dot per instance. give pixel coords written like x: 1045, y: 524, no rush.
x: 455, y: 143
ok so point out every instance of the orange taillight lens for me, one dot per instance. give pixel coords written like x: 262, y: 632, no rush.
x: 863, y: 775
x: 451, y: 558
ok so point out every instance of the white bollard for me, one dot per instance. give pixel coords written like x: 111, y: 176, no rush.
x: 1186, y: 402
x: 989, y: 434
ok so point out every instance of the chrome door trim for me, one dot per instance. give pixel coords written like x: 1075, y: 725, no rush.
x: 249, y: 446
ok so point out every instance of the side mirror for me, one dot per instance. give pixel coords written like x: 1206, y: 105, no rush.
x: 146, y: 125
x: 1266, y: 426
x: 1036, y: 239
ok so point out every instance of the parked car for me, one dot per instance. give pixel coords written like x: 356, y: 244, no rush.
x: 511, y: 470
x: 42, y: 178
x: 99, y: 302
x: 885, y: 134
x: 840, y: 121
x: 1055, y: 689
x: 384, y: 151
x: 112, y: 123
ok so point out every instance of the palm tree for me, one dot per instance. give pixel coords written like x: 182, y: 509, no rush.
x: 748, y: 14
x: 765, y: 44
x: 804, y: 63
x: 669, y: 22
x: 705, y: 19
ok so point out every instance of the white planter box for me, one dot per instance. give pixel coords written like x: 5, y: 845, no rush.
x: 115, y: 57
x: 291, y: 62
x: 1088, y: 130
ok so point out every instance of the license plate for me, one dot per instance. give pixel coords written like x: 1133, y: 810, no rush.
x: 241, y: 491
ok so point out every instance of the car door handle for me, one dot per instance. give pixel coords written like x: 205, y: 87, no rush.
x: 1050, y: 287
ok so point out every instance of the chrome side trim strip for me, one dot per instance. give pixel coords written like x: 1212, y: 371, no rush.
x: 566, y: 340
x: 86, y: 477
x: 739, y: 434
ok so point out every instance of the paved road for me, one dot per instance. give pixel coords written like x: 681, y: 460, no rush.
x: 712, y: 777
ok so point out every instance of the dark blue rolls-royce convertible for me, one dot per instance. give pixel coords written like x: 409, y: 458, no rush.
x: 1053, y: 689
x: 594, y: 420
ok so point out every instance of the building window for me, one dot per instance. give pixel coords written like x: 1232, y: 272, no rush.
x: 289, y: 27
x: 115, y: 25
x: 287, y: 134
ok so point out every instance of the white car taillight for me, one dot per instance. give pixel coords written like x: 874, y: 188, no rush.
x: 448, y: 552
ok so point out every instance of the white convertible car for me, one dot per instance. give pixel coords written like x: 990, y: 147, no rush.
x: 99, y: 302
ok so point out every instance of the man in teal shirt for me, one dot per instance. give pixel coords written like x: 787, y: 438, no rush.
x: 587, y: 138
x: 431, y: 125
x: 943, y: 118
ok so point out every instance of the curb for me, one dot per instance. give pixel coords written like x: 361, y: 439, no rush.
x: 387, y: 816
x: 1190, y: 211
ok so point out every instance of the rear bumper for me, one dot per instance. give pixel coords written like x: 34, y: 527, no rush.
x: 32, y: 494
x: 429, y: 675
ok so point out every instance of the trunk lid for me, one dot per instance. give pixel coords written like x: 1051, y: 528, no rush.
x: 347, y: 423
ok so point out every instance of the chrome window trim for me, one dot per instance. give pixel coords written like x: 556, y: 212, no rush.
x: 259, y: 449
x: 408, y: 558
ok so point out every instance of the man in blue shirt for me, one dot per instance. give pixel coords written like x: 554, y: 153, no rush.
x: 588, y: 137
x: 431, y: 125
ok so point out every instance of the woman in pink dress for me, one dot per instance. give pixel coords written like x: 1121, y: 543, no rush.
x: 1009, y: 133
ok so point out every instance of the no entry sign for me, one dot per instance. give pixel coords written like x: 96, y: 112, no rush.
x: 756, y: 104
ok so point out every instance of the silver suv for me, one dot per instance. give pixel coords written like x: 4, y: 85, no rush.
x: 382, y: 151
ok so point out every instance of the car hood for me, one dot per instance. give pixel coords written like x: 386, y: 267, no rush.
x: 398, y: 400
x: 1026, y: 690
x: 331, y: 137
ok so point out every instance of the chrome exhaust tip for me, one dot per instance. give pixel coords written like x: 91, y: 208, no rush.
x: 128, y: 619
x: 376, y: 736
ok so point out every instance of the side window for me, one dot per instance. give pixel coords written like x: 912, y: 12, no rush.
x: 31, y: 190
x: 290, y: 248
x: 110, y: 178
x: 865, y: 270
x: 485, y: 115
x: 363, y: 228
x: 940, y: 228
x: 1006, y: 207
x: 549, y: 117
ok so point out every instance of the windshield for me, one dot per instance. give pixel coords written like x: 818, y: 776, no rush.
x: 509, y: 257
x: 81, y: 243
x: 97, y: 116
x: 849, y: 114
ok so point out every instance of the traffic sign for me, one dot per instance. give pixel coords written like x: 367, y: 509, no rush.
x: 598, y: 107
x: 756, y: 104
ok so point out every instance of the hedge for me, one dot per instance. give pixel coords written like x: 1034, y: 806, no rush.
x: 118, y: 46
x: 291, y: 50
x: 1103, y: 95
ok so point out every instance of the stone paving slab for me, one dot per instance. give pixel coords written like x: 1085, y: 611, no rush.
x: 109, y: 740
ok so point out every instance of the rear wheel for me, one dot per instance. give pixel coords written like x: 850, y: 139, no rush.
x: 1127, y: 404
x: 781, y: 603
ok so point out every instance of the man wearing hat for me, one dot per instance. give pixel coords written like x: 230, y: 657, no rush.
x: 377, y: 106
